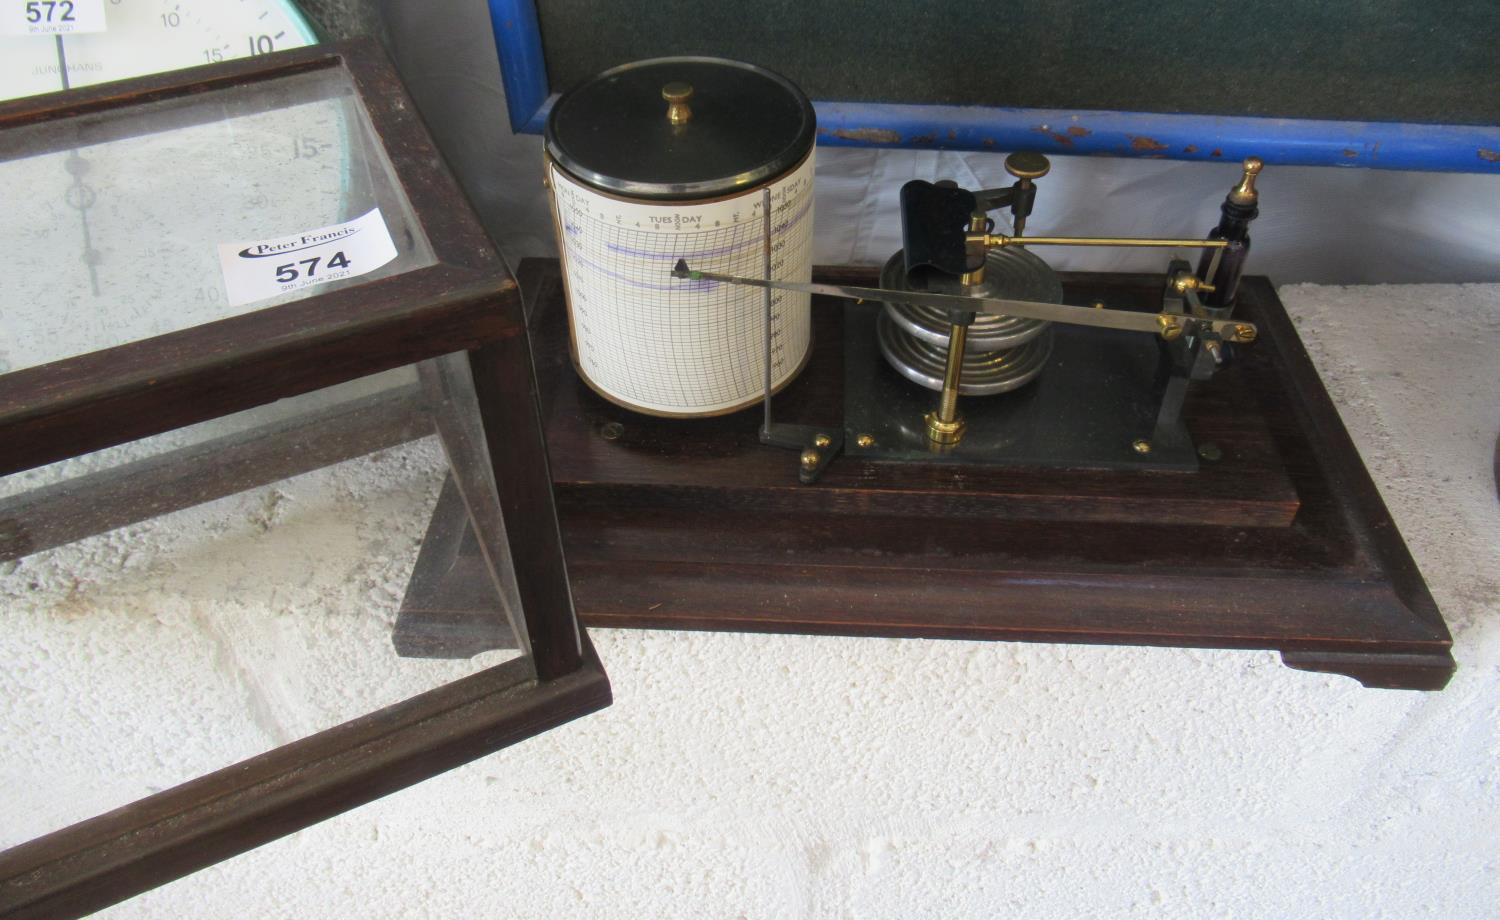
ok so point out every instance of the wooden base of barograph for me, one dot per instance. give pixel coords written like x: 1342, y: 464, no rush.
x: 1279, y: 542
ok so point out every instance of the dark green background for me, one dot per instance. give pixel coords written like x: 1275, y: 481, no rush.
x: 1376, y: 60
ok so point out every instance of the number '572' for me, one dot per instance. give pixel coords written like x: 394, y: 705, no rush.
x: 289, y: 272
x: 49, y: 11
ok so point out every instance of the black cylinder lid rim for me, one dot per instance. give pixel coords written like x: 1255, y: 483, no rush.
x: 749, y: 125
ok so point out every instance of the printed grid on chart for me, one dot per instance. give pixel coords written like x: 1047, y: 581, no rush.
x: 677, y: 345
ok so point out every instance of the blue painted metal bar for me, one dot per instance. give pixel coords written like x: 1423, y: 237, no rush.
x: 1282, y: 141
x: 1215, y: 138
x: 518, y: 38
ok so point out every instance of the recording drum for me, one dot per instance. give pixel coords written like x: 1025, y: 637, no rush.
x: 670, y: 159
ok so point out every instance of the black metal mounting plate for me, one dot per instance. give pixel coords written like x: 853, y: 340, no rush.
x: 1095, y: 399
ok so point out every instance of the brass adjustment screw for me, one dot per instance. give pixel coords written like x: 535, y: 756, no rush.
x: 941, y: 432
x: 1026, y: 167
x: 810, y: 458
x: 677, y: 95
x: 1141, y: 446
x: 977, y: 224
x: 822, y: 440
x: 946, y: 425
x: 1170, y: 328
x: 1186, y: 281
x: 1245, y: 192
x: 865, y: 440
x: 1244, y: 332
x: 1024, y: 164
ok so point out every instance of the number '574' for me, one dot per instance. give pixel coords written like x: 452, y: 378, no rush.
x: 289, y: 272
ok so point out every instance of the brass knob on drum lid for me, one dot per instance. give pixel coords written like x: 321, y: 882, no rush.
x: 1026, y: 165
x: 677, y: 96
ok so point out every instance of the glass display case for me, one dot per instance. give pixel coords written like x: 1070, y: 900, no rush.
x: 250, y: 333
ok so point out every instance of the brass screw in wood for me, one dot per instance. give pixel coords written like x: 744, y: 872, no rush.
x: 1141, y: 446
x: 810, y: 458
x: 822, y: 440
x: 865, y: 440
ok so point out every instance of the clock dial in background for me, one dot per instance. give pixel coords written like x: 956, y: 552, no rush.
x: 146, y: 37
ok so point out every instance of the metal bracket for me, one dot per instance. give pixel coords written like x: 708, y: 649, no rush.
x: 1193, y: 356
x: 817, y: 446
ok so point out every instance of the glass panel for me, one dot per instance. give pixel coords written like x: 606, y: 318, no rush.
x: 371, y: 412
x: 114, y: 221
x: 184, y: 641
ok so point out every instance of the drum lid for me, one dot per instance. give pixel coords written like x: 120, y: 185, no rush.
x: 745, y: 125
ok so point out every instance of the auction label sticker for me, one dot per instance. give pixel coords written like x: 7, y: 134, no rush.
x: 270, y: 268
x: 51, y: 17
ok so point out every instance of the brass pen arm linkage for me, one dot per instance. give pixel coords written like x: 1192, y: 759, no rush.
x: 1167, y: 325
x: 996, y: 241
